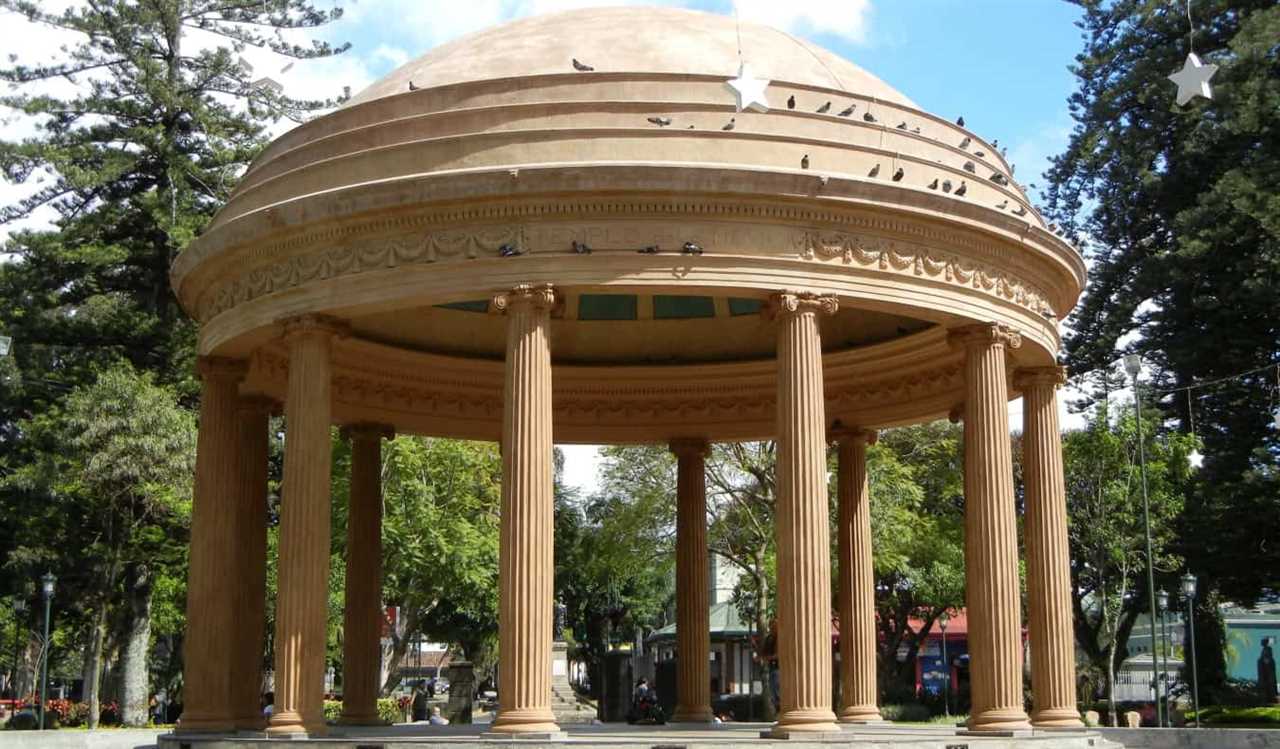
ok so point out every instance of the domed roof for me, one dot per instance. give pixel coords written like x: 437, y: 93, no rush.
x: 631, y: 40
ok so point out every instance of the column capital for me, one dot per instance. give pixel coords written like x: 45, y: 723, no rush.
x: 214, y: 368
x: 983, y: 335
x: 1054, y: 376
x: 839, y: 434
x: 367, y: 430
x: 319, y: 325
x: 790, y: 302
x: 539, y: 296
x: 689, y: 447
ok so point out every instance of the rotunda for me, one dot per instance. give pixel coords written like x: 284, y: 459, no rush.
x: 618, y: 226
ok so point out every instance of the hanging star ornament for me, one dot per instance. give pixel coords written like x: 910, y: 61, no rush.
x: 1193, y: 79
x: 749, y: 90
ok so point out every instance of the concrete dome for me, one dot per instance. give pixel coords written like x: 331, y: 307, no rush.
x: 631, y: 40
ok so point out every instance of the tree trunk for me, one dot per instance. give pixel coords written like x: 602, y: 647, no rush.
x: 134, y: 671
x: 93, y: 663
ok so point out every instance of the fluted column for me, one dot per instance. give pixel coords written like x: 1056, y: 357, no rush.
x: 210, y: 635
x: 303, y: 568
x: 526, y: 563
x: 856, y: 591
x: 251, y: 578
x: 693, y: 599
x: 991, y: 536
x: 1053, y: 662
x: 803, y: 538
x: 362, y: 614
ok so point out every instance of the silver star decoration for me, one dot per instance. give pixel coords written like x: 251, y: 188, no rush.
x: 749, y: 90
x: 1193, y: 79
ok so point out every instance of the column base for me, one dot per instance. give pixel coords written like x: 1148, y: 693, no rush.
x: 289, y: 724
x: 860, y: 714
x: 806, y: 721
x: 1056, y: 717
x: 835, y: 735
x: 525, y: 736
x: 538, y: 720
x: 999, y: 719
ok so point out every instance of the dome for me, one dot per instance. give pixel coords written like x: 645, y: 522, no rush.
x: 630, y: 40
x: 665, y: 218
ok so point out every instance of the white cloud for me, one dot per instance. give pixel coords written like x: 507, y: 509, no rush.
x: 844, y: 18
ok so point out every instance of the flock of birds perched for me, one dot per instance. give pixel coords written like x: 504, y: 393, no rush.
x: 899, y: 174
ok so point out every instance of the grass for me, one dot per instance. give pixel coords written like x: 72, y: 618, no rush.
x: 1217, y: 715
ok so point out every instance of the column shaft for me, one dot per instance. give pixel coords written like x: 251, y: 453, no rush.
x: 526, y: 562
x: 991, y: 536
x: 251, y: 579
x: 856, y: 593
x: 362, y: 615
x: 210, y: 635
x: 303, y: 571
x: 1053, y: 663
x: 693, y: 599
x: 803, y: 538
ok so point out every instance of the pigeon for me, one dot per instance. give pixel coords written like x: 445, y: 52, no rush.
x: 1020, y: 211
x: 804, y: 162
x: 1002, y: 205
x: 969, y: 166
x: 824, y: 108
x: 898, y: 175
x: 963, y: 188
x: 999, y: 179
x: 960, y: 121
x: 1053, y: 228
x: 728, y: 125
x: 580, y: 248
x: 509, y: 250
x: 916, y: 129
x: 1013, y: 168
x: 691, y: 127
x: 980, y: 154
x: 791, y: 102
x: 691, y: 248
x: 660, y: 121
x: 1004, y: 151
x: 902, y: 125
x: 934, y: 184
x: 847, y: 111
x: 868, y: 117
x: 582, y: 66
x: 995, y: 143
x: 875, y: 170
x: 412, y: 87
x: 650, y: 250
x: 946, y: 185
x: 965, y: 143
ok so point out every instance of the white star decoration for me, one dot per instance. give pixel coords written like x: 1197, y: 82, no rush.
x: 1193, y: 79
x: 749, y: 90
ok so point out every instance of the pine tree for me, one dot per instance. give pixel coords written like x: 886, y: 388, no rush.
x: 162, y: 119
x: 1182, y: 207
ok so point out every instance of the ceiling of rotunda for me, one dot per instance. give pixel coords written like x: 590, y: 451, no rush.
x: 619, y: 328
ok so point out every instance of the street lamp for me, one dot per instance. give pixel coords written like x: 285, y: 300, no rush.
x: 19, y: 608
x: 946, y: 685
x: 1162, y: 600
x: 1133, y: 365
x: 1189, y: 593
x: 46, y: 587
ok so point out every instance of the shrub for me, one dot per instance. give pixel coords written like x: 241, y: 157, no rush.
x: 23, y: 721
x: 910, y: 712
x: 77, y: 714
x: 389, y: 710
x: 1226, y: 715
x: 332, y: 710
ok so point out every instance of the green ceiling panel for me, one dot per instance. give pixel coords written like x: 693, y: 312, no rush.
x: 607, y: 307
x: 683, y: 307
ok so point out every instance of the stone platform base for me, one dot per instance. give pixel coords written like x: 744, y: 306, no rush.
x: 622, y: 736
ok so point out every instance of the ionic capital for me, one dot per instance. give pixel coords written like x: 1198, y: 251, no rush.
x: 314, y: 325
x: 786, y: 302
x: 839, y: 434
x: 538, y: 296
x: 984, y: 335
x: 215, y: 368
x: 691, y: 447
x: 259, y: 404
x: 367, y: 430
x: 1053, y: 377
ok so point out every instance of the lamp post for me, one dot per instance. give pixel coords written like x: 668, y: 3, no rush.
x: 1133, y: 365
x: 946, y: 684
x: 1162, y: 600
x: 1189, y: 593
x: 46, y: 587
x: 19, y: 608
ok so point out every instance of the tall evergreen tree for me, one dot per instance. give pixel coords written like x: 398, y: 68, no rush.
x: 1182, y: 206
